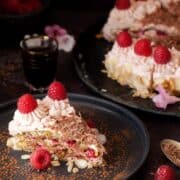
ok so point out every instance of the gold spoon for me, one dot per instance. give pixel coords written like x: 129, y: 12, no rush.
x: 171, y: 149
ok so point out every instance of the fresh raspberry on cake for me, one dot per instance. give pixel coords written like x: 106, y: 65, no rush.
x: 162, y: 55
x: 122, y: 4
x: 57, y: 91
x: 40, y: 159
x: 143, y: 47
x: 124, y: 39
x: 90, y: 153
x: 164, y: 172
x: 26, y: 103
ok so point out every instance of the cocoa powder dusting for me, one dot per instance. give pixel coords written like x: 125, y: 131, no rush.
x: 13, y: 167
x: 8, y: 164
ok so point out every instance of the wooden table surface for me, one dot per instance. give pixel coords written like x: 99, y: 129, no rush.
x: 77, y: 21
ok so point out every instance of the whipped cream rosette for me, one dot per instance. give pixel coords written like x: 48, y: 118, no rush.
x: 57, y: 101
x: 28, y: 117
x: 58, y: 108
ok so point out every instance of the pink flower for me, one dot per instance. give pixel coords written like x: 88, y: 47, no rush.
x: 65, y: 41
x: 162, y: 99
x: 54, y: 31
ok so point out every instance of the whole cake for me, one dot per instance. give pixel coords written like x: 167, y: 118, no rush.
x: 151, y: 18
x: 146, y: 50
x: 143, y: 65
x: 52, y: 130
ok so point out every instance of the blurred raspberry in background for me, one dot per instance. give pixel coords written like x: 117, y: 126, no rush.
x: 20, y: 6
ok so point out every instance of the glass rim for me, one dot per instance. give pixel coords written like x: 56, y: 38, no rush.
x: 24, y: 47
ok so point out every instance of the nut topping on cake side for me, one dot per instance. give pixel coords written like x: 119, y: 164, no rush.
x: 51, y: 129
x: 151, y: 58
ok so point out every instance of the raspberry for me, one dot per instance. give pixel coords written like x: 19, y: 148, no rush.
x: 164, y: 172
x: 162, y: 55
x: 21, y: 6
x: 40, y: 159
x: 91, y: 123
x: 122, y: 4
x: 143, y: 47
x: 26, y: 103
x: 124, y: 39
x: 30, y: 6
x: 90, y: 153
x: 71, y: 143
x: 57, y: 91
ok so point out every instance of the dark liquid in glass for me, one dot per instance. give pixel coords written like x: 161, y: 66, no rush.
x: 40, y: 65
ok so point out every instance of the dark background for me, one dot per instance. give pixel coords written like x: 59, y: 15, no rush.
x: 12, y: 29
x: 84, y: 4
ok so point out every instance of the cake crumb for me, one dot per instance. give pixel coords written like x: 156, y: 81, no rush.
x: 75, y: 170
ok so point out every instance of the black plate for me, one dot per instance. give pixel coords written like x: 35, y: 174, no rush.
x: 127, y: 143
x: 90, y: 54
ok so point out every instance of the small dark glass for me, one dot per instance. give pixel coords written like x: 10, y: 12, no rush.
x: 39, y: 56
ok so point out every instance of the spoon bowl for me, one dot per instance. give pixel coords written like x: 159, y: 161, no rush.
x: 171, y: 150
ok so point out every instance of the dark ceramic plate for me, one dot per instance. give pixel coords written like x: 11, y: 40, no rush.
x: 127, y: 143
x: 90, y: 54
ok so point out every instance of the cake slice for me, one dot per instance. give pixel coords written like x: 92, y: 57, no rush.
x: 53, y: 124
x: 143, y: 65
x: 151, y: 18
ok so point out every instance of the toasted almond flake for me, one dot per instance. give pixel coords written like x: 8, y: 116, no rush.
x: 81, y: 163
x: 55, y: 157
x: 9, y: 142
x: 70, y: 166
x: 25, y: 156
x: 75, y: 170
x: 55, y: 163
x: 104, y: 71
